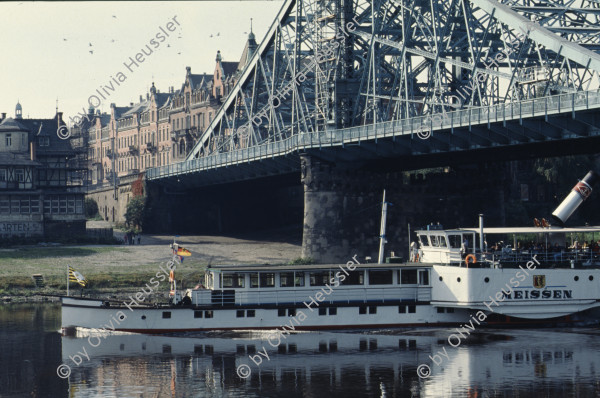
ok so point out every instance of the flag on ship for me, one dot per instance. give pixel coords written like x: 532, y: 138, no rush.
x: 183, y: 252
x: 75, y: 276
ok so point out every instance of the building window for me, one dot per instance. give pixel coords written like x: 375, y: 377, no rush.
x: 20, y: 175
x: 44, y: 141
x: 4, y: 205
x: 8, y: 140
x: 2, y: 175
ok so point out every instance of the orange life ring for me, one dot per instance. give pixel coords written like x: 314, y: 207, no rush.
x: 171, y: 276
x: 470, y: 256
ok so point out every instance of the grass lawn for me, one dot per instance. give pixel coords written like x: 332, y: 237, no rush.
x: 104, y: 267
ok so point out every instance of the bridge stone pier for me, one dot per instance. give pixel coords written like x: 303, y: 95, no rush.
x: 342, y: 205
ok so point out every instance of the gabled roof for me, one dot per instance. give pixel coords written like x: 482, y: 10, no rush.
x: 162, y: 99
x: 120, y: 110
x: 137, y: 108
x: 17, y: 159
x: 48, y: 128
x: 10, y: 124
x: 229, y: 68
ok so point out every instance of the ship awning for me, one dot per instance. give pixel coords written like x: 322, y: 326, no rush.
x: 524, y: 230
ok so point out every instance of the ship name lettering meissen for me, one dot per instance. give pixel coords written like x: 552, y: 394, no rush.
x: 539, y: 294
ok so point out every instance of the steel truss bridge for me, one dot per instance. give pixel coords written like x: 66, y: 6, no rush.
x: 354, y: 79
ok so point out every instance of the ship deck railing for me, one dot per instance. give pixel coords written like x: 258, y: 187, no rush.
x: 546, y: 259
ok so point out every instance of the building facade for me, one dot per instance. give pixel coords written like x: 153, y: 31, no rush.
x: 41, y: 193
x: 158, y: 130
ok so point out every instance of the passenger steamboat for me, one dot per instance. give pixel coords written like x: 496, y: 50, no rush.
x: 453, y: 277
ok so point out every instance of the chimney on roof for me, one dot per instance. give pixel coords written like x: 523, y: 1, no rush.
x: 32, y: 150
x: 59, y: 116
x: 3, y: 115
x: 131, y: 104
x: 141, y: 98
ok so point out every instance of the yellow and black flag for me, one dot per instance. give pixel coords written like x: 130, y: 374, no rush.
x: 75, y: 276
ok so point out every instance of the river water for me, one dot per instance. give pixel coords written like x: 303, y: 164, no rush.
x: 489, y: 363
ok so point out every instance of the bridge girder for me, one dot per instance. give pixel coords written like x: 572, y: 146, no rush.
x: 339, y: 63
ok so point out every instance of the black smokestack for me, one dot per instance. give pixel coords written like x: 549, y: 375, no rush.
x: 579, y: 193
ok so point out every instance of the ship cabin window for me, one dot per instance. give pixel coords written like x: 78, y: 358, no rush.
x: 423, y: 239
x: 232, y: 280
x: 319, y: 278
x: 408, y: 276
x: 380, y: 277
x: 208, y: 280
x: 208, y: 314
x: 442, y: 241
x: 197, y: 314
x: 251, y: 313
x: 291, y: 279
x: 267, y: 279
x: 254, y: 280
x: 166, y: 314
x: 403, y: 309
x: 239, y: 313
x: 434, y: 240
x: 455, y: 241
x: 438, y: 240
x: 281, y: 312
x: 332, y: 310
x: 355, y: 278
x: 424, y: 277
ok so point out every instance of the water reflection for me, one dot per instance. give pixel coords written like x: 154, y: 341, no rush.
x: 492, y: 363
x: 377, y: 364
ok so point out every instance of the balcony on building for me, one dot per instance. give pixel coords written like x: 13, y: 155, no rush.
x: 133, y: 149
x: 177, y: 134
x: 150, y: 147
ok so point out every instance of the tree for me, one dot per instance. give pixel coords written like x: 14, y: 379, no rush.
x: 135, y: 211
x: 91, y: 208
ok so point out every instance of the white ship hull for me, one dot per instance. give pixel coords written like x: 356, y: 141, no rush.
x: 92, y: 314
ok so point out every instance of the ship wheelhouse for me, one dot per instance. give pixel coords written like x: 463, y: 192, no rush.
x: 553, y: 247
